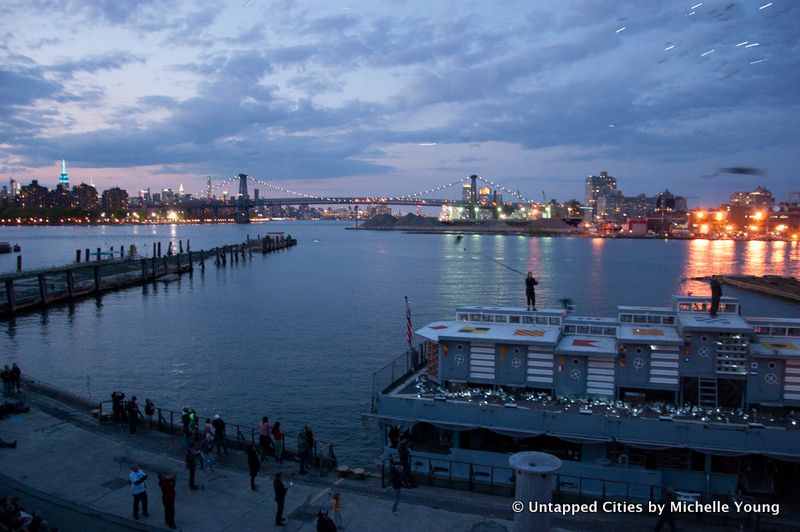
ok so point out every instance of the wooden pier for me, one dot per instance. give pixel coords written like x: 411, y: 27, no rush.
x: 34, y: 289
x: 771, y: 285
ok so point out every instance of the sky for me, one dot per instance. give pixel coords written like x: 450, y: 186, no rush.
x: 396, y: 97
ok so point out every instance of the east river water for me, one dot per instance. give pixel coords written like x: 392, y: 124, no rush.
x: 297, y: 334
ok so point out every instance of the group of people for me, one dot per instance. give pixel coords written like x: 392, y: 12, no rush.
x: 129, y: 412
x: 11, y: 380
x: 13, y: 517
x: 138, y: 483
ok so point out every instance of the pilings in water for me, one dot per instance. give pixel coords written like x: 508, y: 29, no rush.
x: 22, y: 291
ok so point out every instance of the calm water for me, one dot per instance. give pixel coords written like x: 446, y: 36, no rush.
x: 297, y: 335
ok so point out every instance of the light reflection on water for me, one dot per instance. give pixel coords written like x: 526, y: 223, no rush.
x: 298, y: 334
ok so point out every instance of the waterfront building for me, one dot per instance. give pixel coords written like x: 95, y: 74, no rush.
x: 115, y: 199
x: 34, y: 195
x: 759, y: 199
x: 167, y: 196
x: 13, y: 187
x: 85, y: 197
x: 61, y: 196
x: 596, y: 186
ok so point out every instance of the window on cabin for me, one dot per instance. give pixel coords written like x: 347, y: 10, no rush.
x: 499, y: 318
x: 583, y: 329
x: 793, y: 331
x: 609, y: 331
x: 653, y: 319
x: 729, y: 307
x: 639, y: 319
x: 475, y: 317
x: 668, y: 320
x: 513, y: 319
x: 554, y: 321
x: 569, y: 329
x: 595, y: 330
x: 540, y: 320
x: 527, y: 319
x: 463, y: 317
x: 626, y: 318
x: 778, y: 331
x: 489, y: 318
x: 685, y: 307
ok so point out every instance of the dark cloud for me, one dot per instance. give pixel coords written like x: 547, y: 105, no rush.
x: 95, y: 63
x: 743, y: 170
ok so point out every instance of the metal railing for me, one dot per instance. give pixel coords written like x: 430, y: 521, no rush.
x: 398, y: 369
x: 469, y: 476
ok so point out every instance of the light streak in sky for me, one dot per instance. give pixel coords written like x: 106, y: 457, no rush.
x: 670, y: 47
x: 757, y: 62
x: 742, y: 43
x: 708, y: 52
x: 621, y: 29
x: 697, y: 5
x: 751, y: 45
x: 765, y: 6
x: 427, y: 144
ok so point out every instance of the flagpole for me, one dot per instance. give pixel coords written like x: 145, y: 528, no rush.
x: 409, y: 328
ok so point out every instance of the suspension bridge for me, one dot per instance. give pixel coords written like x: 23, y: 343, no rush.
x: 474, y: 192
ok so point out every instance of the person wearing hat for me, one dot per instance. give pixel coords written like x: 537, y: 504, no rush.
x: 219, y: 435
x: 136, y: 479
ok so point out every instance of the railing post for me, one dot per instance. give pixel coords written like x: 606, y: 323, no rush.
x: 171, y: 421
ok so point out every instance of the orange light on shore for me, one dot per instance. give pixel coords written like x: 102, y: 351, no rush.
x: 700, y: 215
x: 719, y: 216
x: 781, y: 227
x: 754, y: 228
x: 759, y: 215
x: 704, y: 228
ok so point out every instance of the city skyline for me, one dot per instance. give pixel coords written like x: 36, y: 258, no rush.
x: 398, y: 98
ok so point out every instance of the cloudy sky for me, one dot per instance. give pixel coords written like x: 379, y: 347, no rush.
x: 349, y: 98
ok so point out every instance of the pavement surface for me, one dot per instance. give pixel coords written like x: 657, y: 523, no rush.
x: 74, y: 471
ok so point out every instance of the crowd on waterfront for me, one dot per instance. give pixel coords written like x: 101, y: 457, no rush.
x: 205, y: 446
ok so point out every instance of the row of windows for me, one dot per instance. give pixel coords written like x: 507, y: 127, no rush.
x: 513, y: 318
x: 590, y: 329
x: 777, y: 331
x: 647, y: 318
x: 705, y: 306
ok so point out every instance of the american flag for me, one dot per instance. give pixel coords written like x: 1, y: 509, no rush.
x: 409, y: 325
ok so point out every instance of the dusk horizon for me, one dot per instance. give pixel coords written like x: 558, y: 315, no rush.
x: 398, y: 98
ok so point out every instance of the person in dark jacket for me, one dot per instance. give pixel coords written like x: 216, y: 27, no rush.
x: 191, y: 465
x: 396, y: 476
x: 716, y: 295
x: 133, y: 414
x: 253, y: 464
x: 530, y: 290
x: 16, y: 375
x: 305, y: 447
x: 167, y: 484
x: 219, y: 435
x: 280, y: 497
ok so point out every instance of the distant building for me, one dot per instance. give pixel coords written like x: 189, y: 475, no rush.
x: 759, y: 199
x: 34, y: 196
x: 61, y: 196
x: 13, y: 188
x: 85, y: 197
x: 115, y: 199
x: 597, y: 186
x: 63, y: 179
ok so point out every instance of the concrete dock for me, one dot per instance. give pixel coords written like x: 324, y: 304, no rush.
x: 74, y: 471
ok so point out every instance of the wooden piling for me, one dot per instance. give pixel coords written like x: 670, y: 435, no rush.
x: 144, y: 269
x: 86, y: 258
x: 77, y: 255
x: 154, y: 249
x: 154, y: 265
x: 42, y: 288
x: 97, y: 256
x: 188, y: 247
x: 180, y: 247
x: 191, y: 263
x: 19, y: 263
x: 178, y: 262
x: 70, y: 284
x: 11, y: 296
x: 159, y: 249
x: 97, y: 285
x: 202, y: 260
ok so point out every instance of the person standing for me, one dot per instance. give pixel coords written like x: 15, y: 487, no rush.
x: 207, y: 450
x: 219, y: 435
x: 336, y: 506
x: 716, y: 295
x: 133, y: 414
x: 253, y: 464
x: 530, y: 290
x: 167, y: 483
x: 280, y: 497
x: 149, y: 410
x: 667, y: 517
x: 7, y: 378
x: 264, y: 439
x: 16, y: 375
x: 191, y: 465
x: 396, y: 476
x: 405, y: 462
x: 136, y: 479
x: 278, y: 439
x: 305, y: 446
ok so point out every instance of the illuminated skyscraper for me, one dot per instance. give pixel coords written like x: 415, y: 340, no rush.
x: 63, y: 179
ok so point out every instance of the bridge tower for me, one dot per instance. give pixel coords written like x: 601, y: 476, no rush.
x: 473, y: 198
x: 243, y: 202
